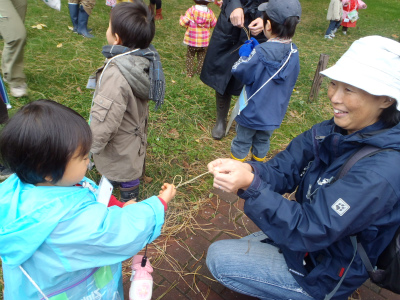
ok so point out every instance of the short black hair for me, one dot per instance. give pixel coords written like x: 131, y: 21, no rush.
x: 285, y: 30
x: 390, y: 116
x: 40, y: 139
x: 134, y: 24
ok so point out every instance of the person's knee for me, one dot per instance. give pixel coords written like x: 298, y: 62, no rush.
x: 213, y: 256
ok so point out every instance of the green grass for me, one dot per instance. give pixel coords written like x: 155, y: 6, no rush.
x: 180, y: 141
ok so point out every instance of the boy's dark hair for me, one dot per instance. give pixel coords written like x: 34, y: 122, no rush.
x: 202, y: 2
x: 40, y: 139
x: 286, y: 30
x: 134, y: 24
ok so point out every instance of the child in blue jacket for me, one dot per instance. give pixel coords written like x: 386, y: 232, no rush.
x: 56, y: 240
x: 269, y: 72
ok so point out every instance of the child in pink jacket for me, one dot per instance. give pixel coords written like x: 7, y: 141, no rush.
x: 198, y: 20
x: 350, y: 13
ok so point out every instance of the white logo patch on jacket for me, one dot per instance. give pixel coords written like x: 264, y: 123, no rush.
x: 340, y: 206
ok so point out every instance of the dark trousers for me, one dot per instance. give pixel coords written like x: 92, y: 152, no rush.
x: 157, y: 3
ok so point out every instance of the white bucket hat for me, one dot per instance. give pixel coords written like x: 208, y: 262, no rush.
x: 372, y: 64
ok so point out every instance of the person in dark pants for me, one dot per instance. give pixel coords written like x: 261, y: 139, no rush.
x: 222, y: 53
x: 157, y: 4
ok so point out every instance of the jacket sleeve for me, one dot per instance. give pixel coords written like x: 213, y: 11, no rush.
x: 185, y: 20
x: 361, y: 4
x: 105, y: 236
x: 109, y: 106
x: 213, y: 19
x: 243, y: 69
x: 332, y: 212
x: 231, y: 6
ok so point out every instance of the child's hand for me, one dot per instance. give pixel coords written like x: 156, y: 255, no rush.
x: 167, y: 192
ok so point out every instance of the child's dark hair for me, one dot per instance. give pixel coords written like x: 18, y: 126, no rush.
x: 40, y: 139
x: 202, y: 2
x: 285, y: 30
x: 134, y: 24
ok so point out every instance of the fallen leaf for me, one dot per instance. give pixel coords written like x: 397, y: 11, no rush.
x: 174, y: 133
x: 39, y: 26
x: 173, y: 81
x: 395, y: 36
x: 70, y: 28
x: 147, y: 179
x: 185, y: 164
x: 59, y: 45
x: 79, y: 89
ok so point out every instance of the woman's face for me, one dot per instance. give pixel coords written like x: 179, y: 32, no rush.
x: 353, y: 108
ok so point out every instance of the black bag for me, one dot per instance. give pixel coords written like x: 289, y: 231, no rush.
x: 386, y: 274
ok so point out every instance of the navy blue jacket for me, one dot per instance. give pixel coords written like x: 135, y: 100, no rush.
x: 265, y: 111
x: 315, y: 229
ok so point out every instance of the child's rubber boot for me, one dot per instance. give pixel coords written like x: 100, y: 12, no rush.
x: 223, y: 105
x: 82, y: 23
x: 158, y: 15
x: 131, y: 193
x: 142, y: 281
x: 74, y: 13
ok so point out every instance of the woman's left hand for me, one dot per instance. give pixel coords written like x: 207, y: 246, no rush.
x: 231, y: 175
x: 257, y: 26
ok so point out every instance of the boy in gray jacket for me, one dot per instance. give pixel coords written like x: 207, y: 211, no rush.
x: 130, y: 77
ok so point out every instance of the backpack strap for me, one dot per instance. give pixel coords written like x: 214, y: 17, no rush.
x: 365, y: 151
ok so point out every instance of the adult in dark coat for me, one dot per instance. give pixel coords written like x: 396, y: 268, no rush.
x: 223, y: 52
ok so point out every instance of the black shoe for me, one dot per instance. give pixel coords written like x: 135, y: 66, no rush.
x: 129, y: 193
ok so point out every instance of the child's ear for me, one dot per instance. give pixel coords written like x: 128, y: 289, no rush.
x: 268, y: 26
x: 118, y: 40
x: 48, y: 178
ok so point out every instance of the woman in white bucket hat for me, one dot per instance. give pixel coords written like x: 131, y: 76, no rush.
x: 304, y: 249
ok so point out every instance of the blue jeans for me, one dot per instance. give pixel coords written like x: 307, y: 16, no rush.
x: 250, y: 267
x: 246, y: 139
x: 332, y: 25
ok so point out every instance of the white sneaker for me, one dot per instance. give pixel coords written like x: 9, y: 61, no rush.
x: 344, y: 32
x: 328, y: 37
x: 19, y: 91
x: 332, y: 34
x: 8, y: 106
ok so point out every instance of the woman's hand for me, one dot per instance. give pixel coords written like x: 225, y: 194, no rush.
x: 237, y: 17
x: 231, y: 175
x: 167, y: 192
x: 256, y: 27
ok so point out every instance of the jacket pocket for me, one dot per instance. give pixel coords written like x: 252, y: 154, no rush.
x: 100, y: 108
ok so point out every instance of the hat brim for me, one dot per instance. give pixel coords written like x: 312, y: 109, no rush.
x: 369, y: 83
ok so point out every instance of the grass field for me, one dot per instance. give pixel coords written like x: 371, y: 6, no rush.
x: 59, y: 62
